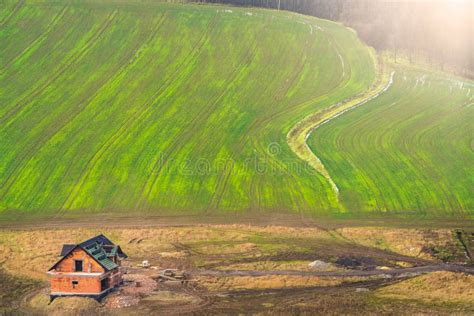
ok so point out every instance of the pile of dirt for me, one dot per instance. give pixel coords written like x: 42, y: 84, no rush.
x: 121, y: 301
x: 137, y: 284
x: 356, y: 262
x: 448, y: 287
x: 319, y: 265
x: 129, y: 294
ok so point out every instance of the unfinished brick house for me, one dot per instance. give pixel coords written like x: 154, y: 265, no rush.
x: 91, y: 268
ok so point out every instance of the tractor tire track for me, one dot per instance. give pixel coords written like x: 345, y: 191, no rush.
x: 8, y: 182
x: 271, y: 117
x: 259, y: 125
x: 52, y: 130
x: 84, y: 103
x: 221, y: 185
x: 36, y: 41
x: 198, y: 120
x: 255, y: 202
x: 220, y: 188
x: 271, y: 158
x: 283, y: 90
x: 340, y: 274
x: 172, y: 145
x: 297, y: 137
x: 144, y: 110
x: 15, y: 10
x: 21, y: 105
x: 66, y: 37
x: 276, y: 164
x: 343, y: 82
x: 380, y: 173
x: 224, y: 177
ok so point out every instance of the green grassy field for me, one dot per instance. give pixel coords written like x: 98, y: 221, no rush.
x: 409, y: 150
x: 130, y: 107
x: 165, y: 108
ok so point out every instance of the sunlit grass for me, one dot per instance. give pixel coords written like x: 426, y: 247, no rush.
x: 157, y: 108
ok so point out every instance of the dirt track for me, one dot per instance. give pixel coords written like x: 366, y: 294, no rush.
x: 400, y: 272
x: 278, y: 278
x: 22, y: 221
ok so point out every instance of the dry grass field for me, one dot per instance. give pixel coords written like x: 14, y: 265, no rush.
x: 282, y: 254
x: 214, y: 140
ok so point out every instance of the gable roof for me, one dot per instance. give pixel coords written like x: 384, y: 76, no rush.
x: 96, y: 251
x: 113, y: 250
x: 67, y: 248
x: 97, y: 239
x: 100, y: 248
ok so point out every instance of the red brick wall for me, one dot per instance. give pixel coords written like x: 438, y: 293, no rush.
x: 86, y: 284
x: 115, y: 277
x: 67, y: 264
x: 63, y: 284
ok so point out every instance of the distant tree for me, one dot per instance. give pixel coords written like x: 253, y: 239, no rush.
x: 440, y: 31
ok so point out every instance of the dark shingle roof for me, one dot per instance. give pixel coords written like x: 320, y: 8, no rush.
x: 67, y: 248
x: 98, y: 247
x: 97, y: 239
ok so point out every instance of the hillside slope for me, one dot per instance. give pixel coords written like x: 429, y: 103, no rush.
x: 159, y: 109
x: 408, y: 151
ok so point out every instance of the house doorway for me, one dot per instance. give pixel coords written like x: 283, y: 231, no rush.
x: 104, y: 284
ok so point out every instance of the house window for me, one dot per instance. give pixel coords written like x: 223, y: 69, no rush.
x: 74, y: 284
x: 78, y: 265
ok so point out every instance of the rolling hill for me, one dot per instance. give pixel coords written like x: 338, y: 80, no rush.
x: 410, y: 149
x: 151, y: 108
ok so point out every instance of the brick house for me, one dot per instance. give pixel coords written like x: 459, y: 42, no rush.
x: 91, y: 268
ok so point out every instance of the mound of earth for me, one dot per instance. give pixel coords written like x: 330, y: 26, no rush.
x: 320, y: 265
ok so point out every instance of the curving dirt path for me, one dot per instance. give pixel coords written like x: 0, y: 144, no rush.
x: 297, y: 137
x: 399, y: 272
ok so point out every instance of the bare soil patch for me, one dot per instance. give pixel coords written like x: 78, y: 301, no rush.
x: 234, y: 268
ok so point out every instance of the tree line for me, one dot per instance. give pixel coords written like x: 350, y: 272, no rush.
x: 437, y: 31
